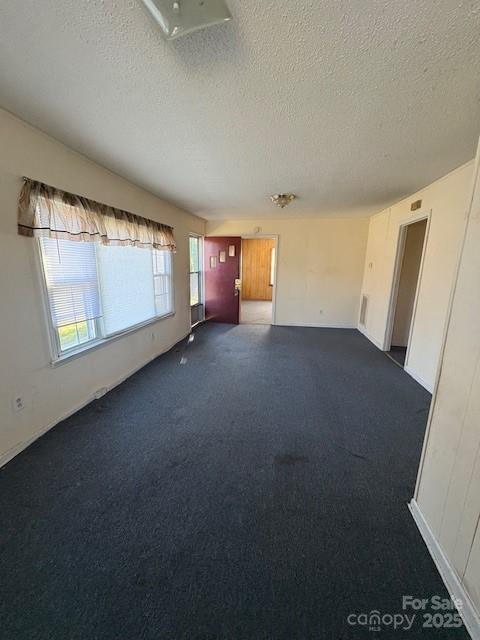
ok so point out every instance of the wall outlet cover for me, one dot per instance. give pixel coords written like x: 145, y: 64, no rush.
x: 18, y: 403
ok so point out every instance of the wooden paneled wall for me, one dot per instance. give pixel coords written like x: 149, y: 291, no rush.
x: 256, y: 263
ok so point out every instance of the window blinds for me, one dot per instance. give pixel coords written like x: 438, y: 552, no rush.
x: 96, y: 291
x: 133, y: 290
x: 162, y: 279
x: 71, y: 279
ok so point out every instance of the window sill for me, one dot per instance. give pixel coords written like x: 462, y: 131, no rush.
x: 96, y: 344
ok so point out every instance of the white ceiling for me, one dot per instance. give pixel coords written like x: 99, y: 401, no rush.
x: 351, y: 104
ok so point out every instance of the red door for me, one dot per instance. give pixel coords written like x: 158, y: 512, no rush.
x: 222, y: 268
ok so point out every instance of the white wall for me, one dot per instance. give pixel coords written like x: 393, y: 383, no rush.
x: 320, y: 264
x: 447, y: 200
x: 448, y: 494
x: 25, y: 369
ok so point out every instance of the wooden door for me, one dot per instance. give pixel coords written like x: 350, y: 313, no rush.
x: 256, y: 268
x: 222, y: 269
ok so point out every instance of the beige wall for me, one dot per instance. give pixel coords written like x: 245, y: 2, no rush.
x: 448, y: 489
x: 319, y: 267
x: 51, y: 393
x: 447, y: 201
x: 412, y: 257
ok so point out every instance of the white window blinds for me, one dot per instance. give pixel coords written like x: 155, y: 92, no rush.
x: 133, y: 290
x: 96, y: 291
x: 71, y: 279
x: 162, y: 280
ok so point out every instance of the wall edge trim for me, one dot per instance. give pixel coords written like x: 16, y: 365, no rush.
x: 364, y: 332
x: 411, y: 372
x: 469, y: 614
x: 325, y: 325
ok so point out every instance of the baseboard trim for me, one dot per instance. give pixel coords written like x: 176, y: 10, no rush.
x: 411, y: 372
x: 364, y: 332
x: 420, y: 380
x: 21, y: 446
x: 316, y: 325
x: 470, y: 615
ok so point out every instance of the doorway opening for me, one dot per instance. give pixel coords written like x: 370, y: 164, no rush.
x: 240, y: 278
x: 258, y: 280
x: 411, y: 248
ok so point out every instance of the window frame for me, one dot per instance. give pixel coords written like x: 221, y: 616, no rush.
x: 80, y: 347
x: 59, y: 356
x: 172, y: 288
x: 200, y: 272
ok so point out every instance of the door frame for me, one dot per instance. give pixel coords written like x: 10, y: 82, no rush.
x: 258, y: 236
x: 399, y: 253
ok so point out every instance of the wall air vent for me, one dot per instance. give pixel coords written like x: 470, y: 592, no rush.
x: 363, y: 310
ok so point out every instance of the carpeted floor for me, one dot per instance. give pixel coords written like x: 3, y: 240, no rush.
x: 257, y: 491
x: 398, y: 354
x: 256, y: 311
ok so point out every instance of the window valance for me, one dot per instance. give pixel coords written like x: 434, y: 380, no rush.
x: 48, y: 212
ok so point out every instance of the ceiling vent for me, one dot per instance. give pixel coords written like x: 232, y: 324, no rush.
x: 181, y: 17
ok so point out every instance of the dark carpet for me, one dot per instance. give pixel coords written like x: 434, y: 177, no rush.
x: 256, y: 492
x: 398, y: 354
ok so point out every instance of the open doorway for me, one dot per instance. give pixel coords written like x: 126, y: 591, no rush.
x: 240, y: 279
x: 258, y: 280
x: 409, y: 261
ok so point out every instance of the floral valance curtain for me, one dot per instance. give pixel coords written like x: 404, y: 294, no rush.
x: 53, y: 213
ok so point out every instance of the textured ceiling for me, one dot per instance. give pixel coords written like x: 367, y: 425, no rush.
x: 351, y: 104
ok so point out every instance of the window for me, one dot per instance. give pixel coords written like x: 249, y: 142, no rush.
x: 162, y: 282
x: 126, y: 283
x: 96, y: 291
x: 196, y: 259
x: 195, y: 271
x: 72, y: 286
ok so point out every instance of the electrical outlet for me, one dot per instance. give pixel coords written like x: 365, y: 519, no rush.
x: 18, y: 403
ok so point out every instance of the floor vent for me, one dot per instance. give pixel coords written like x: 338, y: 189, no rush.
x: 363, y: 310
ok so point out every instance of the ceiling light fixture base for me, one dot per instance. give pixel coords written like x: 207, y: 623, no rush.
x: 282, y: 199
x: 182, y: 17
